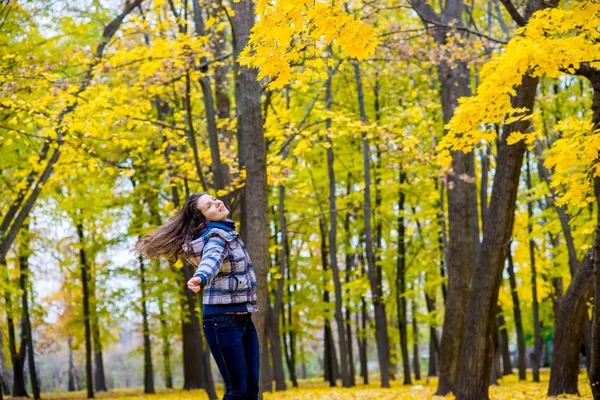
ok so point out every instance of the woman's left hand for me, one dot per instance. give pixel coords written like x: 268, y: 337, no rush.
x: 194, y: 284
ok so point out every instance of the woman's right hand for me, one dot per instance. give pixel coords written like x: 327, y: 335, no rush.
x: 194, y: 284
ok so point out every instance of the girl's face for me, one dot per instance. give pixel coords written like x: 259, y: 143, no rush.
x: 213, y: 209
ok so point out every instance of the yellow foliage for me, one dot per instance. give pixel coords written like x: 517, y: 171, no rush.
x: 553, y: 41
x: 312, y: 389
x: 290, y: 31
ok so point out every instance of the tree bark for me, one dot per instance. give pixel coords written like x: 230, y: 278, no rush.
x: 572, y: 316
x: 564, y: 368
x: 339, y: 316
x: 83, y: 265
x: 252, y: 156
x: 594, y: 374
x: 329, y: 356
x: 275, y: 313
x: 401, y: 283
x: 148, y: 370
x: 375, y: 280
x: 24, y: 252
x: 536, y: 309
x: 475, y: 358
x: 415, y: 326
x: 522, y: 360
x: 166, y: 347
x: 219, y: 177
x: 504, y: 344
x: 434, y: 344
x: 350, y: 260
x: 99, y: 376
x: 462, y: 207
x: 71, y: 373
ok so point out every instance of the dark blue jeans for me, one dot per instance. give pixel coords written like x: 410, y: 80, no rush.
x: 233, y: 342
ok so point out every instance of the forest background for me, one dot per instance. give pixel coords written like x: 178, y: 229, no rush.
x: 408, y: 176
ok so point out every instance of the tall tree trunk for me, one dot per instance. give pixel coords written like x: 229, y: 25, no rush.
x: 375, y: 280
x: 504, y: 348
x: 166, y: 347
x: 594, y: 374
x: 536, y: 309
x: 401, y: 283
x: 99, y: 377
x: 148, y: 370
x: 362, y: 343
x: 594, y: 367
x: 71, y: 373
x: 522, y: 360
x: 329, y: 356
x: 462, y: 207
x: 83, y: 265
x: 196, y: 360
x: 415, y: 326
x: 442, y: 239
x: 434, y: 344
x: 24, y: 252
x: 252, y: 156
x: 275, y: 313
x: 572, y: 318
x: 475, y: 358
x: 219, y: 173
x: 350, y: 257
x: 568, y: 330
x: 339, y: 316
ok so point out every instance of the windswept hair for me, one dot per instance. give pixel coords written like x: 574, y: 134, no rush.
x: 168, y: 240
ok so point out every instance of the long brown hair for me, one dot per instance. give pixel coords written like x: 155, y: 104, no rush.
x: 167, y: 240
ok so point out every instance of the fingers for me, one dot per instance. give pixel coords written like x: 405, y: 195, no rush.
x: 194, y: 284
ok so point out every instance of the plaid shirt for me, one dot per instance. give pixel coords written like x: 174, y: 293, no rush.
x: 225, y: 269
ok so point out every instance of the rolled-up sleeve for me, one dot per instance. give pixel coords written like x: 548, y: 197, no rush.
x: 212, y: 259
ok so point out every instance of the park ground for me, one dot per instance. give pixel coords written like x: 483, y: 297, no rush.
x: 509, y: 388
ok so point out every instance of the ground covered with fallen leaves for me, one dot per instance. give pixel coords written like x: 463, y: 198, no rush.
x: 508, y: 388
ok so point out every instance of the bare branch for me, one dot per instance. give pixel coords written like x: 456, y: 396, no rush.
x: 514, y: 13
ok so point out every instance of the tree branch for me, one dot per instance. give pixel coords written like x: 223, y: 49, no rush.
x: 514, y: 13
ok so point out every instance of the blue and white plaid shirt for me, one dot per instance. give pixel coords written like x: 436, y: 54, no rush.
x: 225, y: 269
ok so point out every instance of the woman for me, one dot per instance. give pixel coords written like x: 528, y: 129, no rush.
x: 202, y: 232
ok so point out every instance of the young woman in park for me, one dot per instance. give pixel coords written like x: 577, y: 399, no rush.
x: 201, y: 232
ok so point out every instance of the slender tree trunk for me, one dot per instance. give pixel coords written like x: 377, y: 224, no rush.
x: 495, y: 370
x: 401, y: 283
x: 252, y: 157
x: 504, y: 348
x: 434, y: 344
x: 415, y: 326
x: 339, y: 316
x: 536, y: 313
x: 219, y: 177
x: 350, y: 257
x: 148, y: 370
x: 329, y: 356
x: 522, y: 360
x: 375, y: 280
x: 274, y: 334
x: 83, y: 265
x: 166, y: 347
x: 362, y: 343
x: 99, y: 377
x: 24, y: 252
x: 462, y: 204
x: 71, y: 374
x: 291, y: 357
x: 442, y: 240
